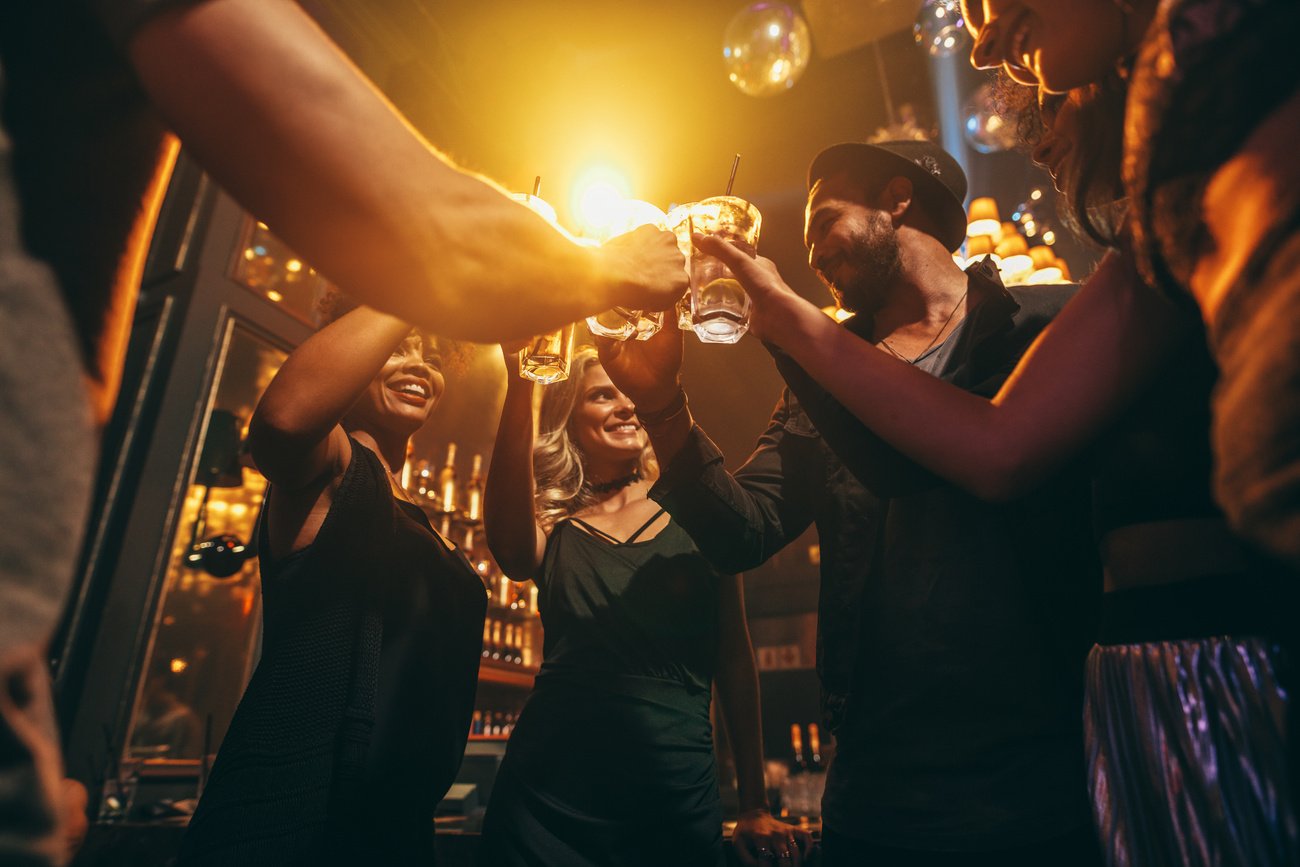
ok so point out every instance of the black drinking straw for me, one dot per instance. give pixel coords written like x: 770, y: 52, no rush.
x: 735, y: 164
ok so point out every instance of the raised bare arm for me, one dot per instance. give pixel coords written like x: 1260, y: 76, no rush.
x: 509, y: 519
x: 276, y: 113
x: 1107, y: 343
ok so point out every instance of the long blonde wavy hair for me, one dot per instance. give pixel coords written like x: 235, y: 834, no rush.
x: 558, y: 464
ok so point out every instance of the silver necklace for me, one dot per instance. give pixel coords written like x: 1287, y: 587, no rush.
x: 942, y: 328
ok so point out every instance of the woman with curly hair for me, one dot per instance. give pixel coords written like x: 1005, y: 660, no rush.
x: 611, y: 762
x: 355, y: 721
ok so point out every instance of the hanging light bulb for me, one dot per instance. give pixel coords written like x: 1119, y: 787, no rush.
x: 765, y: 48
x: 940, y: 27
x: 985, y: 128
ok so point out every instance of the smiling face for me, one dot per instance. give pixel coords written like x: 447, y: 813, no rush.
x: 852, y: 246
x: 1057, y: 44
x: 404, y: 392
x: 603, y: 423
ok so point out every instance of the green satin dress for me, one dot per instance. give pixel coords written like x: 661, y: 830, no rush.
x: 611, y: 762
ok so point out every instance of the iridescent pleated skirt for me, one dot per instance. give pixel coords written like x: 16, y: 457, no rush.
x: 1187, y: 754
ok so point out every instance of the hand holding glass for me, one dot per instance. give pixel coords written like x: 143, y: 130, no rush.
x: 621, y: 323
x: 719, y: 306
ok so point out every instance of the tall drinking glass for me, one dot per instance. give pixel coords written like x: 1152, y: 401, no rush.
x: 719, y: 306
x: 622, y: 323
x: 546, y: 358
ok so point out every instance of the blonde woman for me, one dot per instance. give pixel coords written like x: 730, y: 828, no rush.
x: 611, y: 762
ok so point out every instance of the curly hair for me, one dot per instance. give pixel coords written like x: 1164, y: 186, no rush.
x: 1094, y: 203
x: 333, y: 304
x: 558, y: 464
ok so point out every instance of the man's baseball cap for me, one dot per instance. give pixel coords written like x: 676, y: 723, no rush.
x: 938, y: 183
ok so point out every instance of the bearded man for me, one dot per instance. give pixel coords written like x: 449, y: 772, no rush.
x: 951, y: 631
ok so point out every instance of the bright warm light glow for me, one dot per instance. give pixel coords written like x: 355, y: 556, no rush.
x: 984, y: 227
x: 597, y: 197
x: 1049, y: 237
x: 178, y: 665
x: 630, y: 214
x: 839, y: 314
x: 293, y: 266
x: 774, y: 30
x: 1016, y: 269
x: 273, y: 295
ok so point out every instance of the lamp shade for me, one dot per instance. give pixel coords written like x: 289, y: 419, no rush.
x: 1013, y: 245
x: 979, y: 245
x: 983, y: 208
x: 1043, y: 256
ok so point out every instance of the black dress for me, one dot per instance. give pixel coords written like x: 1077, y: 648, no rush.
x: 611, y: 762
x: 355, y: 721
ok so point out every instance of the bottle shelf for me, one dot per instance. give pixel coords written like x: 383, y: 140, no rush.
x: 491, y: 671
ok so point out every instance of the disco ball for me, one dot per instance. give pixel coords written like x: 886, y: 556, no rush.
x: 940, y: 28
x: 765, y: 48
x: 985, y: 128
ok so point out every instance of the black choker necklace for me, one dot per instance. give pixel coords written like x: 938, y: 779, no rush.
x: 614, y: 484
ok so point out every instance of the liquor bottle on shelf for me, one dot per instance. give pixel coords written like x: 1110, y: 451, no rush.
x: 467, y: 544
x: 474, y: 492
x: 487, y: 638
x: 796, y: 743
x: 447, y: 487
x: 814, y: 748
x: 421, y: 479
x: 476, y: 723
x: 505, y: 590
x: 519, y: 645
x: 496, y: 640
x: 507, y: 643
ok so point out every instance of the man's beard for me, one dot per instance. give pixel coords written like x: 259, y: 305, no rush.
x: 872, y: 261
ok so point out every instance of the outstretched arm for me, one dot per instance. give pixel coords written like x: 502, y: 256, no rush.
x: 509, y: 517
x: 1107, y: 343
x: 280, y: 118
x: 294, y: 436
